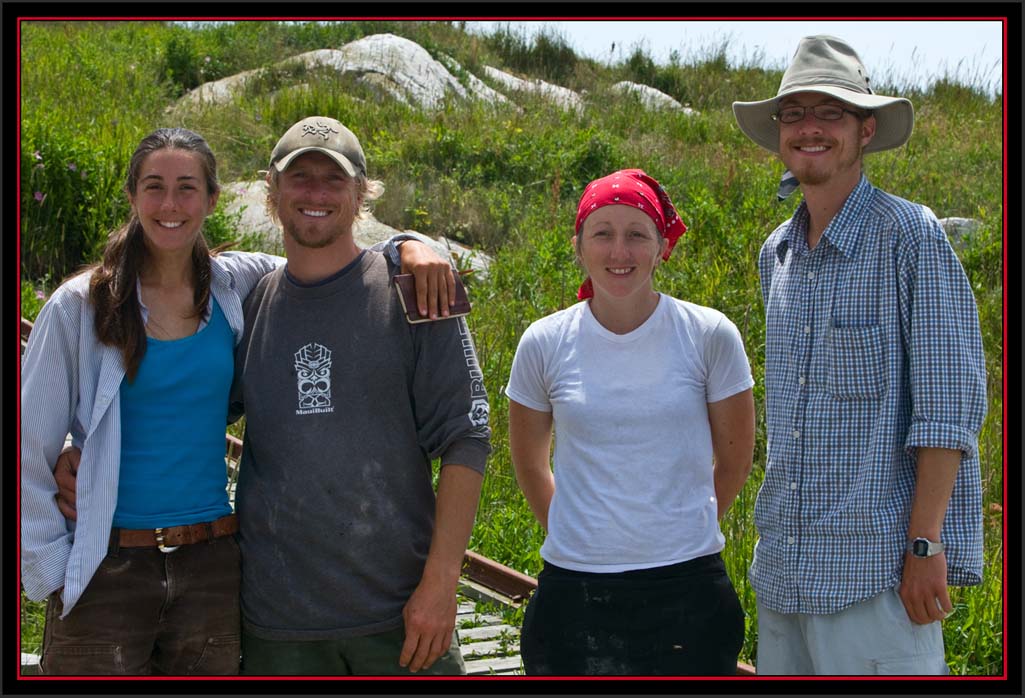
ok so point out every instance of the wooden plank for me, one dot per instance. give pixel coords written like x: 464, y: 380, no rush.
x: 30, y: 664
x: 491, y: 648
x: 487, y: 632
x: 479, y: 667
x: 478, y: 619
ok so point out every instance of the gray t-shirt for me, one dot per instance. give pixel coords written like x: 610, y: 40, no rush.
x: 346, y: 404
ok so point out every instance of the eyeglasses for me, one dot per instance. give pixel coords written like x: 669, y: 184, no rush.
x: 826, y: 112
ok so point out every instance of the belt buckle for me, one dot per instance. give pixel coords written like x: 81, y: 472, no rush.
x: 159, y: 533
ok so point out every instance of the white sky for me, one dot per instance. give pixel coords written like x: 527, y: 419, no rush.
x: 906, y: 52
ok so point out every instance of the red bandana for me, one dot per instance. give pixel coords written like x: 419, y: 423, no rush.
x: 631, y: 188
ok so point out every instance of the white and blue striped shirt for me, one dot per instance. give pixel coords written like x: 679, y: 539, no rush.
x: 872, y: 349
x: 69, y: 383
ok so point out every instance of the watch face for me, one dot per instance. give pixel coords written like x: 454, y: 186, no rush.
x: 920, y: 548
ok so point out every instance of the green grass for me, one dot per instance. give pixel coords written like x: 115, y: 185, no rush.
x: 507, y: 181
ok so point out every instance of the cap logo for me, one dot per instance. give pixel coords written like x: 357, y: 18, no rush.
x: 322, y: 130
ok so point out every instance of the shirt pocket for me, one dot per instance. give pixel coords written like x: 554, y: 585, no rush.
x: 856, y: 368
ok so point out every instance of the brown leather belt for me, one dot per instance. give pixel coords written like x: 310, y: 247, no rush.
x: 167, y: 539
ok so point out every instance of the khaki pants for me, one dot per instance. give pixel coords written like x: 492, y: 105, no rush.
x: 874, y: 637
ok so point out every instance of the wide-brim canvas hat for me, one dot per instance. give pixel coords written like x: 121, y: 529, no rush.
x: 828, y: 65
x: 323, y: 135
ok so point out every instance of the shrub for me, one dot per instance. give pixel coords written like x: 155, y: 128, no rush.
x: 70, y: 199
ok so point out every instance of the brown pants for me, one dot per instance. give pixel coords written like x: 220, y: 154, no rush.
x: 148, y: 612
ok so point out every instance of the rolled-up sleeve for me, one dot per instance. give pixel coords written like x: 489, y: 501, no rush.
x: 451, y: 404
x: 940, y: 323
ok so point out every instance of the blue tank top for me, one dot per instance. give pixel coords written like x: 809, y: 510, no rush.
x: 173, y: 418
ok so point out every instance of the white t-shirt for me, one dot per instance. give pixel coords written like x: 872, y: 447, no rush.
x: 633, y: 447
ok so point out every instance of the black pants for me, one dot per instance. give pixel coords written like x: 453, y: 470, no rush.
x: 679, y: 620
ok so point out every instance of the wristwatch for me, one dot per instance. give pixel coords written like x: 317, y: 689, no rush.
x: 923, y: 547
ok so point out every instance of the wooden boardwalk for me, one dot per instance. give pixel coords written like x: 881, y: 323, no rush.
x: 489, y: 645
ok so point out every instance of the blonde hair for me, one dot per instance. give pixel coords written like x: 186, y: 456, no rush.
x: 369, y: 190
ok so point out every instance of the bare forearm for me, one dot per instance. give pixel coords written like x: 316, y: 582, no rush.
x: 530, y: 446
x: 538, y: 486
x: 923, y: 587
x: 936, y: 471
x: 732, y: 425
x: 729, y: 479
x: 430, y: 614
x: 456, y: 509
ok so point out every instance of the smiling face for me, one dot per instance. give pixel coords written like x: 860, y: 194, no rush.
x: 820, y: 152
x: 316, y: 200
x: 619, y: 248
x: 171, y: 199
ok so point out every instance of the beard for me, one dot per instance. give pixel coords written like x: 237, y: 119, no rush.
x: 811, y: 174
x: 312, y: 232
x: 311, y: 239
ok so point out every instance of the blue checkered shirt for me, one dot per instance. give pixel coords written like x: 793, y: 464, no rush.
x: 872, y: 348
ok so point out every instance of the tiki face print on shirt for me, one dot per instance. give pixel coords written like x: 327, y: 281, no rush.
x: 313, y: 379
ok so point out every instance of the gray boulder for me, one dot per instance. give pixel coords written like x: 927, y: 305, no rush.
x: 562, y: 97
x: 391, y: 65
x: 247, y: 199
x: 220, y: 91
x: 650, y: 97
x: 959, y: 229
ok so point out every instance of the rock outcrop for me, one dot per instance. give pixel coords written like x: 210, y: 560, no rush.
x: 650, y: 97
x: 958, y: 229
x: 564, y: 97
x: 389, y: 64
x: 396, y: 68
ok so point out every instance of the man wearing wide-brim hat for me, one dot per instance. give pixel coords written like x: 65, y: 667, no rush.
x: 875, y: 389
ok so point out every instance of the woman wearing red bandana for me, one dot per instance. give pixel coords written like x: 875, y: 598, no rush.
x: 650, y: 400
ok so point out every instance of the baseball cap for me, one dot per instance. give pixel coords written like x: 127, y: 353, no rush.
x: 324, y: 135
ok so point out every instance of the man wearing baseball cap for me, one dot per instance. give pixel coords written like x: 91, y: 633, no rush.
x: 350, y: 560
x: 875, y: 388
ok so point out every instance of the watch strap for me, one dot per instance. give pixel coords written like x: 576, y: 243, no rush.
x: 923, y: 547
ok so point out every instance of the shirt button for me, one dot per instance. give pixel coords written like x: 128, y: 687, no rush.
x: 801, y: 380
x: 797, y: 434
x: 790, y: 540
x: 807, y: 329
x: 811, y: 275
x: 793, y: 485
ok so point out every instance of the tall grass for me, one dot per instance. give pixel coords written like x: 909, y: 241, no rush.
x: 507, y: 180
